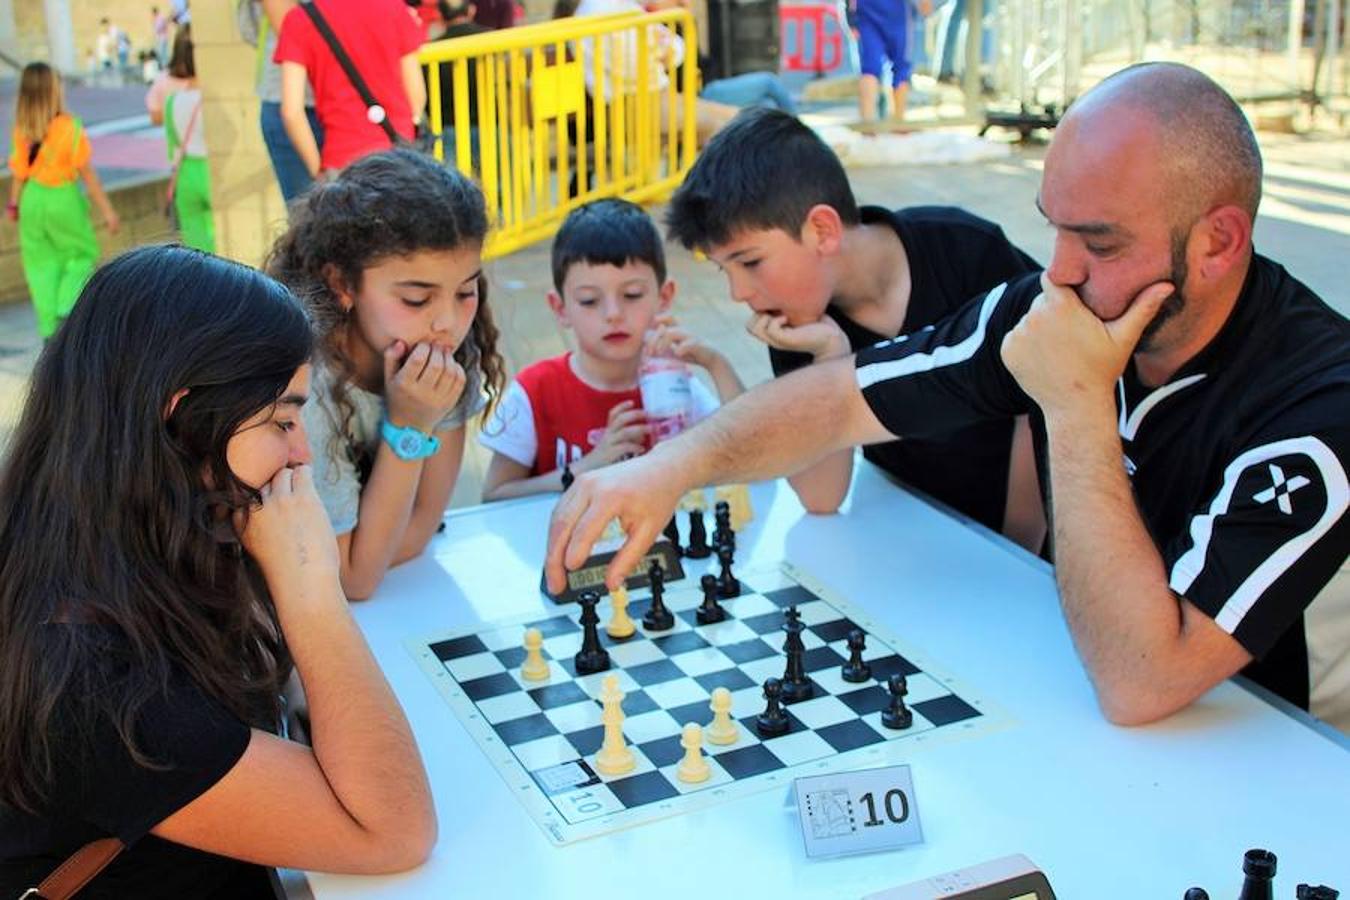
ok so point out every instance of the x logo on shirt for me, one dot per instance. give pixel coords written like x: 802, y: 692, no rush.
x: 1280, y: 490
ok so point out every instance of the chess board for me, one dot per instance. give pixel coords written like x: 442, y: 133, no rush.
x: 542, y: 736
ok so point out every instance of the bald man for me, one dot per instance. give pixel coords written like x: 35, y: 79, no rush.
x: 1190, y: 403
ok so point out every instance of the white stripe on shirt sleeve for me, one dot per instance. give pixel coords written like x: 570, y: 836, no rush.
x: 1190, y: 564
x: 938, y: 357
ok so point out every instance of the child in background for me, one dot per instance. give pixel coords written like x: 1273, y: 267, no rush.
x: 57, y: 245
x: 583, y: 410
x: 387, y: 256
x: 185, y: 137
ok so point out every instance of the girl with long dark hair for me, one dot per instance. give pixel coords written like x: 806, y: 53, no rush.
x: 164, y: 561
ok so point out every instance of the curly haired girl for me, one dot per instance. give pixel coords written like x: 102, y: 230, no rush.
x: 388, y: 258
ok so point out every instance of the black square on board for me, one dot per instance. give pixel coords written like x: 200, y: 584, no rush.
x: 457, y: 647
x: 765, y: 623
x: 529, y: 728
x: 731, y: 679
x: 849, y: 735
x: 698, y: 712
x: 796, y: 595
x: 946, y: 710
x: 656, y: 672
x: 551, y: 696
x: 663, y: 751
x: 887, y: 666
x: 748, y: 762
x: 587, y: 740
x: 834, y: 631
x: 821, y: 658
x: 512, y: 657
x: 867, y: 699
x: 681, y: 642
x: 747, y: 651
x: 639, y: 790
x: 489, y: 686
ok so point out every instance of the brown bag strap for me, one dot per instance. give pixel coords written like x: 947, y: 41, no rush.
x: 77, y: 871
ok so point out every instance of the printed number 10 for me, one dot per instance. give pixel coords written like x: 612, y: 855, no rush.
x: 889, y: 801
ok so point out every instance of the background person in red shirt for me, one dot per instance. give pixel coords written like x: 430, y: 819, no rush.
x: 382, y: 38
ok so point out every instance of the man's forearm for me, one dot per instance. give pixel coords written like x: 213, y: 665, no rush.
x: 1124, y: 619
x: 779, y: 428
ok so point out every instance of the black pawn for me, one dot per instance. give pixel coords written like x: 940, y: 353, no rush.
x: 697, y: 547
x: 1259, y: 868
x: 727, y: 585
x: 1196, y: 893
x: 855, y: 670
x: 567, y: 478
x: 897, y: 716
x: 773, y: 721
x: 591, y: 657
x: 1315, y: 892
x: 796, y: 686
x: 722, y: 533
x: 672, y: 533
x: 710, y: 612
x: 657, y: 617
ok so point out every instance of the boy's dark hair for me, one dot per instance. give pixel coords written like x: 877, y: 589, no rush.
x: 764, y: 170
x: 608, y: 232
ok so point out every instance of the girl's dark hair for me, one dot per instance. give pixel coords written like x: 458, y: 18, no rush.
x: 182, y: 62
x: 117, y: 561
x: 394, y: 203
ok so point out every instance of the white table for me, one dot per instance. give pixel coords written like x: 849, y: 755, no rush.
x: 1106, y: 812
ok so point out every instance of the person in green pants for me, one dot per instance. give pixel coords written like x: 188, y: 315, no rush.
x: 51, y: 154
x: 186, y: 141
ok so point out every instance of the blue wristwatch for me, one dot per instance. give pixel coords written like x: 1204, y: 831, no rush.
x: 408, y: 443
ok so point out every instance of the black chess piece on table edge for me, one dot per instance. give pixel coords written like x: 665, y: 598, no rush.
x: 709, y: 613
x: 855, y: 670
x: 657, y: 617
x: 773, y: 721
x: 1258, y: 870
x: 592, y: 657
x: 796, y: 686
x: 897, y: 716
x: 697, y: 548
x: 728, y: 585
x: 672, y: 532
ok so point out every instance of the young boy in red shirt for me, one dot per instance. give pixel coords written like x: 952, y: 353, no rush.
x: 583, y: 409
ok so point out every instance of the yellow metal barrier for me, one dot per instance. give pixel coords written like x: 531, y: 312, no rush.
x: 566, y: 112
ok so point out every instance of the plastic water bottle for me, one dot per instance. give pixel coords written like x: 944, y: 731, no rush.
x: 663, y: 380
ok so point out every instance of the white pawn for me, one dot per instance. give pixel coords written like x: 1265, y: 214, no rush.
x: 620, y: 625
x: 693, y: 768
x: 615, y: 757
x: 535, y: 668
x: 722, y: 730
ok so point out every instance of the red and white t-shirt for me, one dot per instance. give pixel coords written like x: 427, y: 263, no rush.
x: 549, y: 416
x: 376, y: 34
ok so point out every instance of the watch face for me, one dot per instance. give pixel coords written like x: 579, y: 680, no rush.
x: 409, y: 444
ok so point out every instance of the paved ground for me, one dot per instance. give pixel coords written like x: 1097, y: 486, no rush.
x: 1305, y: 223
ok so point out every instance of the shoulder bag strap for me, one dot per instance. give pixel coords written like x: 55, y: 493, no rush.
x: 77, y: 871
x: 181, y: 153
x: 312, y: 10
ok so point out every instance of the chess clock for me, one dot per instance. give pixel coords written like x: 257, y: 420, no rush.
x: 1009, y: 878
x: 591, y: 575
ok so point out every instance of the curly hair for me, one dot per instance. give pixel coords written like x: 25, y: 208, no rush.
x: 393, y: 203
